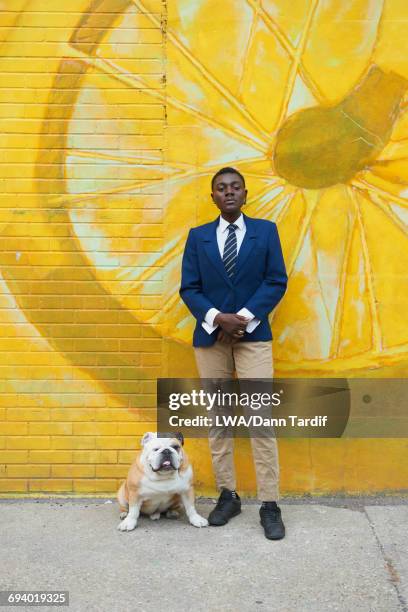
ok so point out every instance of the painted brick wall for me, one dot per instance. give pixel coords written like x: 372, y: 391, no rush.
x: 114, y: 115
x: 77, y: 369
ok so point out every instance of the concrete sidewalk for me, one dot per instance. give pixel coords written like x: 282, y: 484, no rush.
x: 345, y: 554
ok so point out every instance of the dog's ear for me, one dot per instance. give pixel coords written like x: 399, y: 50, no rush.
x: 180, y: 437
x: 149, y: 435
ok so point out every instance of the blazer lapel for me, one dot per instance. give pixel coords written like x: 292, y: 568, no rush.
x: 213, y: 253
x: 247, y: 245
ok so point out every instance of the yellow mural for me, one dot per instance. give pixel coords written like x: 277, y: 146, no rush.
x: 115, y: 114
x: 304, y: 101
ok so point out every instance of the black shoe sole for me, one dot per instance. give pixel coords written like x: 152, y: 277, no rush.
x: 273, y: 538
x: 235, y: 513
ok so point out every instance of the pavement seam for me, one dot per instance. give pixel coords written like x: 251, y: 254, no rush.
x: 393, y: 575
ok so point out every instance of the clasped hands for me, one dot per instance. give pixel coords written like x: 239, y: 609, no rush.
x: 232, y: 326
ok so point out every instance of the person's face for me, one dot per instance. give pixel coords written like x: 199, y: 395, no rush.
x: 229, y: 195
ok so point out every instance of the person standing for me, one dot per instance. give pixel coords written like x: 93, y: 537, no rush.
x: 233, y: 276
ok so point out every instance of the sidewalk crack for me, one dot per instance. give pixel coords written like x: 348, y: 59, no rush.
x: 393, y: 575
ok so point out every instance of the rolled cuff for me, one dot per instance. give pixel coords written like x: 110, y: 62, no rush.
x: 253, y: 323
x: 208, y: 322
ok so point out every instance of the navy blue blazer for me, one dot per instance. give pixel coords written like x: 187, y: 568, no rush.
x: 258, y: 284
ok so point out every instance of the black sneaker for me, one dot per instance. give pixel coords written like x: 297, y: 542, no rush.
x: 227, y: 507
x: 271, y: 521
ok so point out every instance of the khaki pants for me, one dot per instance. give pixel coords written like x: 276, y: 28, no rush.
x: 248, y: 360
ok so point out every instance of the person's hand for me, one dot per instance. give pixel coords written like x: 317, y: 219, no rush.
x: 232, y: 324
x: 226, y: 338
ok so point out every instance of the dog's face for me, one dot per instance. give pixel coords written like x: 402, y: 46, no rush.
x: 162, y: 456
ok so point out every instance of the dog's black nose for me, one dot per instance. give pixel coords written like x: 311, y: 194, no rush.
x: 167, y: 452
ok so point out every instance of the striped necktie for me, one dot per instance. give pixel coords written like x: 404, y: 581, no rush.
x: 230, y: 250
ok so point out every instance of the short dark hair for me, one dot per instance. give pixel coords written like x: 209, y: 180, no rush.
x: 226, y: 170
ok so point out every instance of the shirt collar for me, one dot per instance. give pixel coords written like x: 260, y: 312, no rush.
x: 240, y: 223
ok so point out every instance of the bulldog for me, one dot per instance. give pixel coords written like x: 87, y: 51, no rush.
x: 159, y: 480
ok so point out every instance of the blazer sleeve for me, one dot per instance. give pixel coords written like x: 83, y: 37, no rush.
x: 191, y: 285
x: 273, y: 287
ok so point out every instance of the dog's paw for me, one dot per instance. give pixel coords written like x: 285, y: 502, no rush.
x: 172, y: 514
x: 198, y: 521
x: 155, y: 516
x: 123, y: 515
x: 128, y: 524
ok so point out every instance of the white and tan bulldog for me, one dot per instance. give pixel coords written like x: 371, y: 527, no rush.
x: 159, y: 480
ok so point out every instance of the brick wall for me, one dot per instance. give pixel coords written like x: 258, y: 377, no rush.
x: 114, y: 114
x: 81, y: 151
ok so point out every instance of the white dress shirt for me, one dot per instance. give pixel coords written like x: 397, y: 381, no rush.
x: 222, y: 235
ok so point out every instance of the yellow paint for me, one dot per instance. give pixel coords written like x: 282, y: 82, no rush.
x: 105, y: 165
